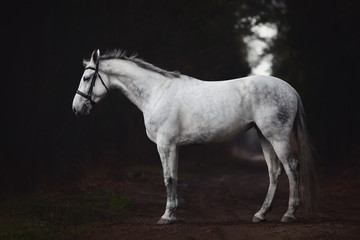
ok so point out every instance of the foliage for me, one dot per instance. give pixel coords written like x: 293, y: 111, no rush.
x: 317, y: 51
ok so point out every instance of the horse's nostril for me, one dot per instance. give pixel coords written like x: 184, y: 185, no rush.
x: 74, y: 110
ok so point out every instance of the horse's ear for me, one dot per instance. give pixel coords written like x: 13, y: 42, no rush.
x: 95, y: 56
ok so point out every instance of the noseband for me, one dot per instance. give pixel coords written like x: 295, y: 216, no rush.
x: 92, y: 84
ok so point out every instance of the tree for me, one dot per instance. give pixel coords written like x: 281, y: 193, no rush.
x: 317, y: 52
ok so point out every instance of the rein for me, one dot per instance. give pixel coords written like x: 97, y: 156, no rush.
x: 92, y: 84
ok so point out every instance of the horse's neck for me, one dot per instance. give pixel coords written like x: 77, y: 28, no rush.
x: 136, y: 83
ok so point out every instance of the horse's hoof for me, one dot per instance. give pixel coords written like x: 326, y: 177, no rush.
x: 164, y: 221
x: 286, y: 219
x: 258, y: 219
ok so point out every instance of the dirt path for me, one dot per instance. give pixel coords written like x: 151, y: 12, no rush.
x: 220, y: 205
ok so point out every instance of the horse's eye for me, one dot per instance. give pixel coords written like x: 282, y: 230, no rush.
x: 87, y: 78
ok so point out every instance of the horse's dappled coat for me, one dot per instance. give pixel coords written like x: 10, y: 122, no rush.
x: 179, y: 110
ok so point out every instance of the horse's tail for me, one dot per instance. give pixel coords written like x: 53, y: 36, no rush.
x: 306, y: 154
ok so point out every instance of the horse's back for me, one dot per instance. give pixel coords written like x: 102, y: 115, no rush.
x: 207, y: 111
x: 216, y: 110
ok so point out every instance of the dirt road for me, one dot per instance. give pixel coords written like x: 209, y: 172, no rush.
x: 219, y: 204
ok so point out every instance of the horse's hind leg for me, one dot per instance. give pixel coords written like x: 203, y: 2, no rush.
x: 291, y: 165
x: 275, y: 171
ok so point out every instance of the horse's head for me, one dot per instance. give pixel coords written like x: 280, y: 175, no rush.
x: 93, y: 86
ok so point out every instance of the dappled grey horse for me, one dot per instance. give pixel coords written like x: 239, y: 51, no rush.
x: 180, y: 110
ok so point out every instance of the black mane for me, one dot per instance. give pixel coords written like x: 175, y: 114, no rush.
x: 118, y: 54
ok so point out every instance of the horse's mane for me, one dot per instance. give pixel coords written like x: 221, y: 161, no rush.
x: 119, y: 54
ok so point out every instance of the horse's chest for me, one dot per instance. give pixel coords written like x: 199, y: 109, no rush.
x: 155, y: 123
x: 151, y: 135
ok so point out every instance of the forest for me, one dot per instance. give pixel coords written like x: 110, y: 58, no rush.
x: 316, y: 50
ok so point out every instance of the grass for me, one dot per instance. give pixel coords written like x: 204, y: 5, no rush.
x: 58, y: 216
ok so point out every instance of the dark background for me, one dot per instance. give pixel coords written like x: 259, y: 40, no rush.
x: 316, y: 51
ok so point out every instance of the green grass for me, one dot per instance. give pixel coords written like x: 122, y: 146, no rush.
x: 58, y: 216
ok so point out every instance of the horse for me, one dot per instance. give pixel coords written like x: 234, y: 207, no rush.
x: 180, y: 109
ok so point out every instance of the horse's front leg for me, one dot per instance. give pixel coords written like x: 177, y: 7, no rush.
x: 168, y: 155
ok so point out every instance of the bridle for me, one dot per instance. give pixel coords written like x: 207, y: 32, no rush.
x: 92, y: 84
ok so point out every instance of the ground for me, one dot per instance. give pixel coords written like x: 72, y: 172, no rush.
x: 216, y: 203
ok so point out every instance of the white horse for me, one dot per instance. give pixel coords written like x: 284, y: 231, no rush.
x: 179, y: 110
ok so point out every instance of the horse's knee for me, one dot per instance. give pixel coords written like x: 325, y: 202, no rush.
x: 169, y: 181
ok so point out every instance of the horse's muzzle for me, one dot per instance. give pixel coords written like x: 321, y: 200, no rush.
x: 83, y: 110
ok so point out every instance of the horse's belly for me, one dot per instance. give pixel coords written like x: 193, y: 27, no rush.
x: 213, y: 116
x: 212, y: 130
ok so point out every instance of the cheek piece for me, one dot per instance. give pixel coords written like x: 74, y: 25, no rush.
x: 92, y: 84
